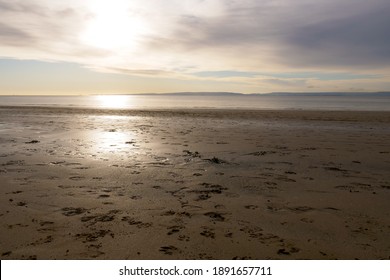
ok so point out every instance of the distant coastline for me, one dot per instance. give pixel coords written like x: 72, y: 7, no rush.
x: 370, y: 94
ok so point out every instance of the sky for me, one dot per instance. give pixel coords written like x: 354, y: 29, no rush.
x: 141, y: 46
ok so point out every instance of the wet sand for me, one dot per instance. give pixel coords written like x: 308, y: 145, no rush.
x: 194, y: 184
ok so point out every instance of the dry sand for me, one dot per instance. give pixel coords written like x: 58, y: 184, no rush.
x: 195, y: 184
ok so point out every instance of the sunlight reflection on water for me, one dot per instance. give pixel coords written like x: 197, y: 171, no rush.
x: 112, y: 134
x: 114, y: 101
x: 111, y: 140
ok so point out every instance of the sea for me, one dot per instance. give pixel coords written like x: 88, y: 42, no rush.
x: 246, y: 102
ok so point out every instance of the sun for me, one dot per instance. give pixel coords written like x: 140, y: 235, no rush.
x: 113, y: 25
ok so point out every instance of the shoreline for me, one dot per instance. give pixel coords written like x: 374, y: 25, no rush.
x: 290, y: 114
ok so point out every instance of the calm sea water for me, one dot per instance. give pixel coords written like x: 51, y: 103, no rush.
x: 359, y: 103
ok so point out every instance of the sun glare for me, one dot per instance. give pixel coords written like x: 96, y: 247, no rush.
x: 113, y: 101
x: 113, y: 25
x: 111, y: 137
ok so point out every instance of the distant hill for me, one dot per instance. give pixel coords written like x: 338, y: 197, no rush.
x: 193, y: 94
x: 384, y: 93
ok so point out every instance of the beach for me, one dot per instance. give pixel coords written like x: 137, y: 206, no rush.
x: 79, y: 183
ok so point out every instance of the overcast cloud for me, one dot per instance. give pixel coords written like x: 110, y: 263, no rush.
x: 181, y: 39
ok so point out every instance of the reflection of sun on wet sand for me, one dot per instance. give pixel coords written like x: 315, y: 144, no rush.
x: 195, y: 184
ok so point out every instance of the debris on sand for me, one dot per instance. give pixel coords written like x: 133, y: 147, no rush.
x: 32, y: 142
x: 215, y: 160
x: 191, y: 154
x: 72, y: 211
x: 261, y: 153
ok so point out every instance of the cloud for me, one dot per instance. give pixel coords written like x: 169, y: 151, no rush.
x: 208, y: 39
x: 246, y: 34
x: 321, y: 34
x: 285, y: 82
x: 351, y: 40
x: 139, y: 72
x: 225, y: 74
x: 21, y: 7
x: 13, y: 36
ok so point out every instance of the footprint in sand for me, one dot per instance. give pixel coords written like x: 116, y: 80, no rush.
x: 241, y: 258
x: 76, y: 178
x: 108, y: 217
x: 168, y: 250
x: 6, y: 254
x: 45, y: 223
x: 174, y: 229
x: 301, y: 209
x: 94, y: 236
x: 134, y: 222
x: 288, y: 252
x: 207, y: 232
x: 251, y: 207
x: 215, y: 216
x: 48, y: 239
x: 183, y: 238
x: 72, y: 211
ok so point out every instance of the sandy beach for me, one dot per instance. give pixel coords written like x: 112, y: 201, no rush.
x: 195, y: 184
